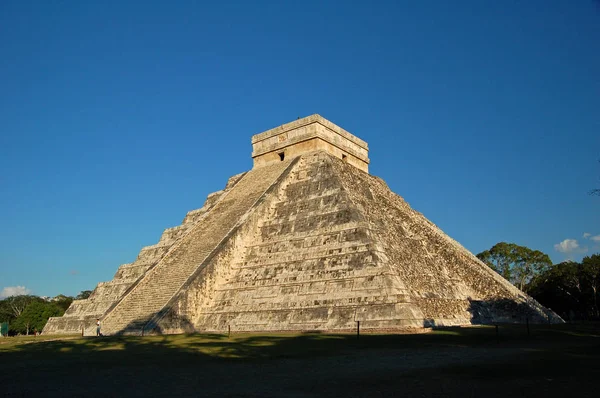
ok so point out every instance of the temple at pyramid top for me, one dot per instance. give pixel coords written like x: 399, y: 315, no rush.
x: 306, y: 135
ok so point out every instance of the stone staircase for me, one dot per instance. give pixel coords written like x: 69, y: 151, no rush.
x: 162, y: 282
x: 82, y: 314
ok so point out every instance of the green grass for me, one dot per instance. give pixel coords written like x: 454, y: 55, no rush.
x: 552, y: 360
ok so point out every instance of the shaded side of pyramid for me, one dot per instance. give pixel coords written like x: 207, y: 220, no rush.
x: 447, y: 282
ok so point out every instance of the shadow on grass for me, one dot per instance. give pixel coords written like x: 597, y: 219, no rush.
x: 207, y: 364
x: 504, y: 310
x: 277, y: 345
x: 306, y: 364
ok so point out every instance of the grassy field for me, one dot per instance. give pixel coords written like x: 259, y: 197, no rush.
x: 558, y: 360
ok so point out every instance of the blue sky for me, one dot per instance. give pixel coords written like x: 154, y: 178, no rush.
x: 116, y: 119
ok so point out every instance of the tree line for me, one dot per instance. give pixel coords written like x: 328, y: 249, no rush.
x: 28, y: 314
x: 569, y: 288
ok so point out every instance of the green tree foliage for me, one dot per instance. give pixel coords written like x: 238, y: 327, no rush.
x: 62, y: 301
x: 560, y: 288
x: 570, y: 288
x: 6, y: 313
x: 34, y: 317
x: 11, y: 307
x: 499, y: 258
x: 27, y: 313
x: 590, y: 267
x: 83, y: 294
x: 518, y: 264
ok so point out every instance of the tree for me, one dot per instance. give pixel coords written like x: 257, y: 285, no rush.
x: 590, y: 267
x: 518, y: 264
x: 83, y: 295
x: 499, y: 258
x: 6, y: 312
x: 17, y: 304
x: 561, y: 288
x: 11, y: 307
x: 570, y: 288
x: 62, y: 301
x: 35, y: 316
x: 530, y: 264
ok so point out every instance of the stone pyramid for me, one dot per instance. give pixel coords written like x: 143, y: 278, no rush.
x: 306, y: 240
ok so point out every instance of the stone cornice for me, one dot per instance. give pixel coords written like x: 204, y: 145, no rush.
x: 306, y: 121
x: 307, y: 137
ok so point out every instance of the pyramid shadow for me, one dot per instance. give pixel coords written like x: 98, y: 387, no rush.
x: 152, y: 325
x: 504, y: 310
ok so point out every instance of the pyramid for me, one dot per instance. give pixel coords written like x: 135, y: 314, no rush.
x: 306, y: 240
